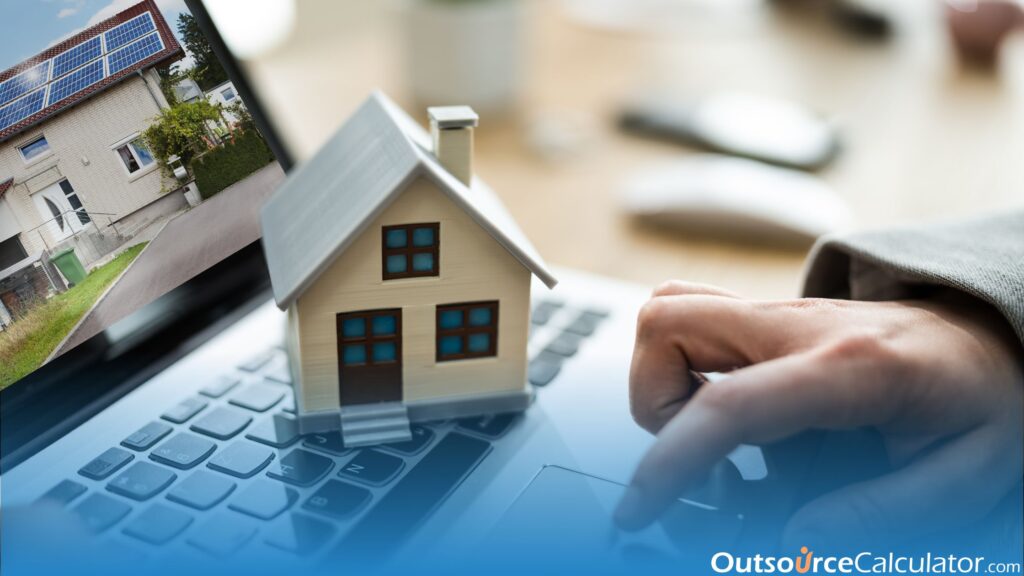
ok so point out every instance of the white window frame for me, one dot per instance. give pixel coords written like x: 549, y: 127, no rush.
x: 45, y: 154
x: 234, y: 94
x: 143, y: 169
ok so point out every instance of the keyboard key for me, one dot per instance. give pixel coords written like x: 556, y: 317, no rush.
x: 184, y: 411
x: 279, y: 431
x: 63, y: 493
x: 372, y: 467
x: 220, y: 386
x: 281, y: 374
x: 421, y: 436
x: 202, y: 490
x: 491, y: 426
x: 289, y: 406
x: 338, y: 499
x: 543, y: 368
x: 258, y: 397
x: 141, y: 481
x: 414, y: 497
x: 300, y: 534
x: 586, y: 323
x: 329, y: 442
x: 183, y: 451
x: 543, y: 312
x: 264, y: 499
x: 241, y: 459
x: 301, y: 467
x: 565, y: 344
x: 222, y: 535
x: 99, y: 511
x: 144, y: 438
x: 258, y: 361
x: 106, y: 464
x: 222, y: 423
x: 158, y: 524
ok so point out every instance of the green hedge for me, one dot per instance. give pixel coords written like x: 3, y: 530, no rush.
x: 223, y: 166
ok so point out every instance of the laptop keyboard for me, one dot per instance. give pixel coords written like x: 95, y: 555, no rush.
x: 227, y: 468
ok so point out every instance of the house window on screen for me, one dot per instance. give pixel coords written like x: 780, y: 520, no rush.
x: 410, y: 250
x: 134, y: 155
x: 468, y: 330
x: 35, y: 148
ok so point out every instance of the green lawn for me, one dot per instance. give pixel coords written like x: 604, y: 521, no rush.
x: 29, y: 340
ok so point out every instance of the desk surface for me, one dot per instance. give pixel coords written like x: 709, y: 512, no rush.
x: 923, y: 138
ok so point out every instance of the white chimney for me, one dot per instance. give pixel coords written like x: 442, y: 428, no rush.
x: 452, y: 130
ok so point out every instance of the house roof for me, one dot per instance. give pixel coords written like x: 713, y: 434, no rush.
x: 171, y: 51
x: 5, y: 185
x: 350, y: 181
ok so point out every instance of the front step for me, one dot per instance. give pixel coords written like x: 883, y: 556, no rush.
x: 369, y: 424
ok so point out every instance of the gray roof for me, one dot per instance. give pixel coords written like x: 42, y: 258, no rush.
x: 328, y: 201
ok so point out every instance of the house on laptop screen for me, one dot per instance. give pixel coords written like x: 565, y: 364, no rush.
x: 406, y: 282
x: 74, y: 172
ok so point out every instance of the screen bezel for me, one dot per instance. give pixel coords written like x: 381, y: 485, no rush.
x: 57, y: 397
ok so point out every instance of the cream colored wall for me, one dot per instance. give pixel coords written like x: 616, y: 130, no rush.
x: 82, y: 140
x: 473, y: 266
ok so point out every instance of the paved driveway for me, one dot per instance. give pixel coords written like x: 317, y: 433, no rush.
x: 188, y: 245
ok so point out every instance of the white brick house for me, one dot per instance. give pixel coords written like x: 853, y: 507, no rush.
x: 75, y: 166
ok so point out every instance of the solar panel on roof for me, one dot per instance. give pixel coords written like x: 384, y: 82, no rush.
x: 21, y: 109
x: 130, y: 30
x: 73, y: 58
x: 134, y: 52
x: 25, y: 82
x: 76, y: 81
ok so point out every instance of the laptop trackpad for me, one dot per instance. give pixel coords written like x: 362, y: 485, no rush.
x: 568, y: 515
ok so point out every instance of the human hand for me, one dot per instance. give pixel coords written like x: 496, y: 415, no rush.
x: 941, y: 379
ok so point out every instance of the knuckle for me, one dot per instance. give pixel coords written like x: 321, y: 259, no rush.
x: 866, y: 344
x: 653, y: 316
x: 668, y: 288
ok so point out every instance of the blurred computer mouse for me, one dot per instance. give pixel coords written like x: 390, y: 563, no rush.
x: 736, y: 198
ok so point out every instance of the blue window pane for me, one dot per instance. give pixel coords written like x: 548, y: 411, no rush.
x: 35, y: 148
x: 384, y: 325
x: 355, y: 354
x: 145, y: 158
x: 384, y: 352
x: 396, y: 264
x: 395, y: 239
x: 479, y: 316
x: 422, y: 262
x: 423, y: 237
x: 353, y: 328
x: 478, y: 342
x: 450, y: 319
x: 450, y: 345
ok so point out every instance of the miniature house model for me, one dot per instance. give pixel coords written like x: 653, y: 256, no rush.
x: 407, y: 284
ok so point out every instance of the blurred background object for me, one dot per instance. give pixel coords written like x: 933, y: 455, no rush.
x: 249, y: 32
x: 978, y: 27
x: 732, y: 198
x: 922, y: 137
x: 745, y: 125
x: 463, y: 52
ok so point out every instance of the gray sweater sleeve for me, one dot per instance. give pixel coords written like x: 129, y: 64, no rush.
x: 981, y: 257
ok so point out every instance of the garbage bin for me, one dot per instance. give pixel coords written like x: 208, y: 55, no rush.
x: 69, y: 265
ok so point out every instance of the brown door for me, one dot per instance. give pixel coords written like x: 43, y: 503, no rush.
x: 370, y: 356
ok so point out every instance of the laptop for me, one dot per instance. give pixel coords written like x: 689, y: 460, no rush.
x: 161, y: 429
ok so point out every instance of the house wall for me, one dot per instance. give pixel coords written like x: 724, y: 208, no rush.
x: 82, y: 141
x: 473, y: 266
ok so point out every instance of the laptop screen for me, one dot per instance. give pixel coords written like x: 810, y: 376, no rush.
x: 129, y: 164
